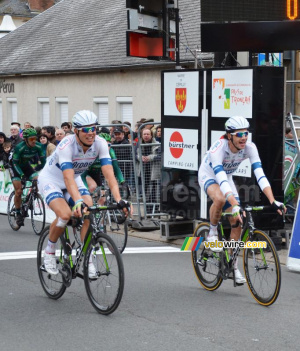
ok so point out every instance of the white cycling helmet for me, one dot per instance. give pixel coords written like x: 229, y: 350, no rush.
x: 84, y: 118
x: 236, y: 123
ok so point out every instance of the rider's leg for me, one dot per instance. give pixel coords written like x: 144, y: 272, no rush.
x: 87, y: 200
x: 18, y: 193
x: 215, y: 211
x: 63, y: 215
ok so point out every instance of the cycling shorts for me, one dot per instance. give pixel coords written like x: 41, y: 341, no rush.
x: 206, y: 180
x: 29, y: 173
x: 52, y: 188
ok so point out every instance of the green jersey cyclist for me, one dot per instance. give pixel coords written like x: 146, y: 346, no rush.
x: 24, y: 166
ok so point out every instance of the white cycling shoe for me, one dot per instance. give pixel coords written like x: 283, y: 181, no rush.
x: 50, y: 263
x: 213, y: 239
x: 92, y: 270
x: 239, y: 279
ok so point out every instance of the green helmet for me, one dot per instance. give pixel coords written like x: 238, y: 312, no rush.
x: 105, y: 136
x: 29, y: 132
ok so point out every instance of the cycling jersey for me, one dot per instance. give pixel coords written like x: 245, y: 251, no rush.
x: 219, y: 163
x: 94, y: 170
x: 69, y: 155
x: 25, y: 159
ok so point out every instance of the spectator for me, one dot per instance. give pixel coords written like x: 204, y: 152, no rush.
x: 67, y: 128
x: 127, y: 131
x: 19, y: 125
x: 38, y: 131
x: 151, y: 159
x: 27, y: 125
x: 50, y: 132
x: 59, y: 135
x: 288, y: 133
x: 119, y: 137
x: 14, y: 135
x: 2, y: 140
x: 6, y: 154
x: 48, y: 147
x: 158, y: 133
x: 115, y: 121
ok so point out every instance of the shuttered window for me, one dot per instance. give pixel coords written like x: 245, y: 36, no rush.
x: 1, y: 117
x: 103, y: 114
x: 64, y: 112
x: 126, y: 112
x: 14, y: 111
x: 45, y: 118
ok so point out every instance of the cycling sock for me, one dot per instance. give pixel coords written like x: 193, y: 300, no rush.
x: 213, y: 230
x: 50, y: 249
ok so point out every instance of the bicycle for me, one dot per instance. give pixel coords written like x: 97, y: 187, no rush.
x: 32, y: 205
x: 106, y: 290
x: 261, y: 265
x: 111, y: 218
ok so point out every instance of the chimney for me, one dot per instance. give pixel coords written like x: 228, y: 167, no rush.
x: 7, y: 25
x: 40, y: 5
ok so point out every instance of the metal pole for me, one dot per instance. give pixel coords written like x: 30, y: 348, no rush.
x: 177, y: 38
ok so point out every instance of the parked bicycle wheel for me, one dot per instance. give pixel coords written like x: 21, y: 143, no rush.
x: 206, y: 263
x: 38, y: 214
x: 11, y: 212
x: 262, y: 270
x: 118, y: 232
x: 104, y: 292
x: 53, y: 285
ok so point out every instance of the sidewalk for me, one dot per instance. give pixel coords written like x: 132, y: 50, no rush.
x: 155, y: 236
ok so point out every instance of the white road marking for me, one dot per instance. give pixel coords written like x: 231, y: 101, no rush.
x: 128, y: 250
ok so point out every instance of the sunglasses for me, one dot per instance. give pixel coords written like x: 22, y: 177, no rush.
x: 109, y: 144
x: 88, y: 129
x: 32, y: 138
x: 240, y: 134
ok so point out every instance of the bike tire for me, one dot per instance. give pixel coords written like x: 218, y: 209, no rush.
x: 11, y: 212
x: 206, y: 263
x: 262, y: 270
x: 104, y: 292
x: 38, y: 214
x: 53, y: 285
x: 119, y: 236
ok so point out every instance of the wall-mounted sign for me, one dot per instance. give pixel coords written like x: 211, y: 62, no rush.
x: 181, y: 94
x: 232, y: 93
x: 180, y: 148
x: 6, y: 87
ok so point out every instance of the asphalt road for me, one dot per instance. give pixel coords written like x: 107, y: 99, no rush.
x: 163, y: 307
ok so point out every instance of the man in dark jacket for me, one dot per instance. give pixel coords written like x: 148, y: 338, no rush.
x: 14, y: 135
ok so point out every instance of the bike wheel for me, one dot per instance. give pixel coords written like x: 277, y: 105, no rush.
x: 38, y: 214
x: 53, y: 285
x: 206, y: 263
x: 106, y: 290
x: 118, y: 232
x: 262, y: 270
x: 11, y: 212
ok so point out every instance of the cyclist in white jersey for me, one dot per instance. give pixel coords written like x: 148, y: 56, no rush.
x: 215, y: 178
x: 74, y: 154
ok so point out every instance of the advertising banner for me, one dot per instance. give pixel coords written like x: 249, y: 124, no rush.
x: 232, y: 93
x: 6, y: 188
x: 181, y: 94
x: 293, y: 260
x: 181, y: 148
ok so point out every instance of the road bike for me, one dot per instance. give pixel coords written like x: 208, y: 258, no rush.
x: 111, y: 221
x: 106, y: 290
x: 261, y: 265
x: 32, y: 206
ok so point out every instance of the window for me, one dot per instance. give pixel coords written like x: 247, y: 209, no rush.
x: 12, y: 110
x: 1, y: 116
x: 62, y: 110
x: 101, y: 109
x: 44, y: 111
x: 125, y: 111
